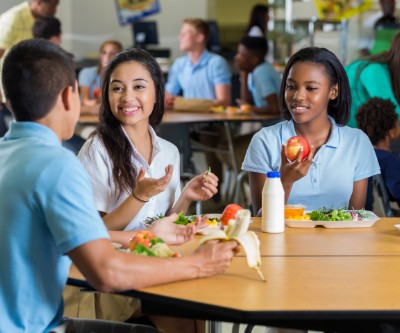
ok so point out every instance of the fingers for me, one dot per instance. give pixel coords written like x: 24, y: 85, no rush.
x: 284, y: 159
x: 311, y: 153
x: 299, y: 155
x: 140, y: 175
x: 201, y: 222
x: 169, y: 169
x: 209, y: 178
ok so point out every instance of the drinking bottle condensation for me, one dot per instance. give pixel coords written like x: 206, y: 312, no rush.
x: 273, y: 204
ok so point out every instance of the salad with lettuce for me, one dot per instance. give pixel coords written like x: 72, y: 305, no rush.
x: 330, y: 214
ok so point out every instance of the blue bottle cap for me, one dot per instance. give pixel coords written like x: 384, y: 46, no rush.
x: 273, y: 174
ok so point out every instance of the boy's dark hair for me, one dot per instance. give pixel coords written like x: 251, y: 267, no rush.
x: 339, y: 108
x: 46, y: 27
x: 109, y: 128
x: 376, y: 118
x: 35, y: 71
x: 256, y: 45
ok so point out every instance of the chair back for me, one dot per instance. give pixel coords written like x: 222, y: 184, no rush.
x: 383, y: 199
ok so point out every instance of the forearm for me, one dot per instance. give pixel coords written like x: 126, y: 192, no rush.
x: 223, y: 94
x: 109, y: 270
x: 245, y: 94
x: 181, y: 205
x: 120, y: 217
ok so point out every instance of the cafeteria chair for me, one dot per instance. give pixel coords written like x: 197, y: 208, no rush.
x: 77, y: 325
x: 382, y: 197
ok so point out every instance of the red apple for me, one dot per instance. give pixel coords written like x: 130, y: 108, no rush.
x: 293, y: 146
x: 229, y: 213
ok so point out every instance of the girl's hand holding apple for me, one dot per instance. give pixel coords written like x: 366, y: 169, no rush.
x: 293, y: 171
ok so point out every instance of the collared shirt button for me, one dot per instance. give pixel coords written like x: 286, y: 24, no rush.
x: 314, y: 181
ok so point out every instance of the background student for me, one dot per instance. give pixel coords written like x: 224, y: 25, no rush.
x: 258, y: 21
x: 89, y: 77
x: 375, y: 76
x: 15, y: 26
x: 49, y: 212
x: 47, y: 27
x: 259, y: 81
x: 199, y: 74
x: 378, y: 119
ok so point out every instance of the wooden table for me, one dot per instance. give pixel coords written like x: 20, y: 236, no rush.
x: 380, y: 240
x: 321, y: 279
x: 178, y: 117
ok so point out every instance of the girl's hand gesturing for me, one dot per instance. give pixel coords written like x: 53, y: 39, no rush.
x: 148, y: 187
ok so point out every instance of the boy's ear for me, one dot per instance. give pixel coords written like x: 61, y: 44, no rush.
x: 200, y: 38
x: 66, y: 97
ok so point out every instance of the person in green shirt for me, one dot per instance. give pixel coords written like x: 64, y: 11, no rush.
x: 375, y: 76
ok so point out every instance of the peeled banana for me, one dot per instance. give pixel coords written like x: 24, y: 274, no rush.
x: 238, y: 231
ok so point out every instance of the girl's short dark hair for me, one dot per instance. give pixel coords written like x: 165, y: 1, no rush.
x: 339, y: 108
x: 376, y: 118
x: 109, y: 128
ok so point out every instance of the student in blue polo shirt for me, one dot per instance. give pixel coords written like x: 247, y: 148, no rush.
x: 315, y: 98
x: 46, y: 206
x: 200, y: 73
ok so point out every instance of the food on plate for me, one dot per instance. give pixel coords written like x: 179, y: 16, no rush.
x: 293, y: 210
x: 217, y: 108
x: 330, y: 214
x: 293, y: 145
x: 237, y: 229
x: 146, y: 243
x: 190, y: 219
x: 231, y: 109
x: 229, y: 213
x: 182, y: 219
x: 150, y: 220
x: 246, y: 108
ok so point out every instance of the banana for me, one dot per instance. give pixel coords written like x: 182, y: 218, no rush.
x: 238, y: 231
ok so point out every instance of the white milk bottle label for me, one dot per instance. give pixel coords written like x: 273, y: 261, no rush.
x: 273, y: 204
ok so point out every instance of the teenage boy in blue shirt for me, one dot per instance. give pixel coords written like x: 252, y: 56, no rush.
x: 259, y: 81
x: 48, y: 216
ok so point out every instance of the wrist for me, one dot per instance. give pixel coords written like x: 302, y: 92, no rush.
x: 140, y: 198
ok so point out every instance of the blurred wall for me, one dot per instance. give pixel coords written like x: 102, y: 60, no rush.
x: 86, y: 23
